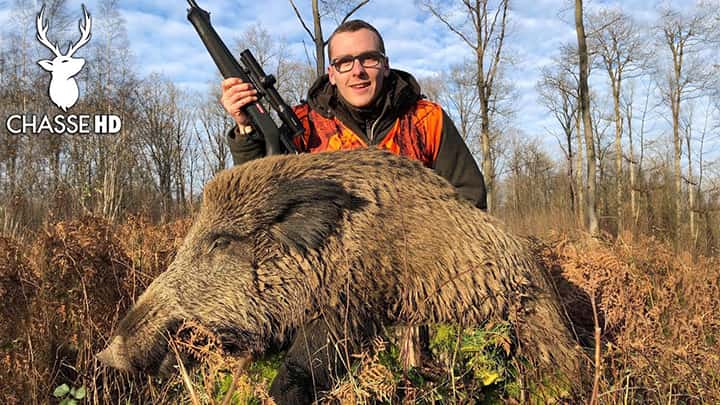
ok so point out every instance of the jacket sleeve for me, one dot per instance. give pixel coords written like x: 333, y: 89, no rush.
x: 244, y: 148
x: 456, y: 164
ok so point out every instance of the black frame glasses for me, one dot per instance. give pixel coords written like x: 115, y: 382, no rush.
x: 371, y: 59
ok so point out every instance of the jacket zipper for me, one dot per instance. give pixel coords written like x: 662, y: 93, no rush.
x: 372, y: 128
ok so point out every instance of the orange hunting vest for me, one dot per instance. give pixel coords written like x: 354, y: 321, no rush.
x: 416, y: 134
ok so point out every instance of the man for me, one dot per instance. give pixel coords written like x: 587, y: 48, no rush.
x: 362, y: 102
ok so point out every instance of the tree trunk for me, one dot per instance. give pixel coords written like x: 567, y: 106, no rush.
x: 319, y: 41
x: 487, y: 163
x: 112, y: 192
x: 487, y: 43
x: 12, y: 169
x: 633, y: 165
x: 570, y: 163
x: 580, y: 185
x: 593, y: 226
x: 640, y: 183
x: 616, y: 83
x: 677, y: 155
x: 55, y: 163
x: 691, y: 192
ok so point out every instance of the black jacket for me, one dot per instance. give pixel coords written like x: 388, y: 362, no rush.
x: 400, y: 92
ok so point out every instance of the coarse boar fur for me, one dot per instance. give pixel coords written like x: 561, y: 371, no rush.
x: 328, y: 248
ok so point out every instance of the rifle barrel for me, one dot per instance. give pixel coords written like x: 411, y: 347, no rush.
x: 229, y: 67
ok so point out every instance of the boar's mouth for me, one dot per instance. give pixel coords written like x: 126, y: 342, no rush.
x: 149, y: 354
x: 159, y: 360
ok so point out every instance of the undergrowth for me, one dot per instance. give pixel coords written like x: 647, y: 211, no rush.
x: 652, y: 310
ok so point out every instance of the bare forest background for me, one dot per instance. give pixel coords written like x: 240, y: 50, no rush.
x: 635, y: 145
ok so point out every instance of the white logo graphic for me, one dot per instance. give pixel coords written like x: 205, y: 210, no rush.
x: 63, y: 88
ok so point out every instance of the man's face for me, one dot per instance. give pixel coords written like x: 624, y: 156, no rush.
x: 360, y: 85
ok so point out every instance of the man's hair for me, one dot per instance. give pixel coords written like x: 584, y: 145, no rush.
x: 353, y: 26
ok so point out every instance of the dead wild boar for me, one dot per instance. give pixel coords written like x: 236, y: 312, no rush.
x: 330, y: 247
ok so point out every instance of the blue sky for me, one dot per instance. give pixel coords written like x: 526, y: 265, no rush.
x: 162, y: 40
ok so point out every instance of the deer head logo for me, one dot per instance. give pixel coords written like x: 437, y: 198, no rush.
x: 63, y: 88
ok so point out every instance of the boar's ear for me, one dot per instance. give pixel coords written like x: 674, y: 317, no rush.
x: 307, y: 211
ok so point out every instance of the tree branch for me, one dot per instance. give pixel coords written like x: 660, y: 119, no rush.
x: 302, y: 22
x: 356, y: 8
x: 450, y: 26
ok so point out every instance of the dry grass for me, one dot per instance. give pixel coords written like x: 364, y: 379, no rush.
x: 151, y: 247
x: 370, y: 381
x: 77, y: 279
x: 64, y: 293
x: 19, y: 285
x: 659, y: 327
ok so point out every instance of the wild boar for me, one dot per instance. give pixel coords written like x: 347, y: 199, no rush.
x: 329, y: 247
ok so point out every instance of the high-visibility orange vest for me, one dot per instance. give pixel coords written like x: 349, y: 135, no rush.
x: 416, y: 134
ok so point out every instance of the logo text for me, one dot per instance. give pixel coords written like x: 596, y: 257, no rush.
x: 63, y: 124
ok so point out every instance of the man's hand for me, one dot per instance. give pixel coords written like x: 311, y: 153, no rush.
x: 236, y: 94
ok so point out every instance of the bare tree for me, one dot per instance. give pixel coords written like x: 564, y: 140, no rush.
x: 321, y: 9
x: 162, y: 127
x: 110, y: 80
x: 616, y: 40
x: 695, y: 181
x: 530, y: 176
x: 299, y: 77
x: 461, y: 97
x: 457, y: 91
x: 211, y: 125
x: 687, y: 129
x: 602, y: 122
x: 23, y: 89
x: 708, y: 186
x: 259, y: 41
x: 685, y: 37
x: 559, y: 95
x: 293, y: 78
x: 593, y: 226
x: 483, y: 31
x: 28, y: 80
x: 632, y: 169
x: 433, y: 87
x: 567, y: 65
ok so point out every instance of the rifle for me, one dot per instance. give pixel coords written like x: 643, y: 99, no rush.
x: 253, y: 73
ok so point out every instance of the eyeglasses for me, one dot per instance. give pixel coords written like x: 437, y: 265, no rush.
x: 369, y: 59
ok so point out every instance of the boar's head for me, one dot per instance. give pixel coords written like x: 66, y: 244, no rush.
x: 248, y: 268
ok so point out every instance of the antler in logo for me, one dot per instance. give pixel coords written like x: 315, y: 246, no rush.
x: 63, y: 88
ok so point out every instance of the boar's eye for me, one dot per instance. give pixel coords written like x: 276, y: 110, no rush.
x: 219, y: 242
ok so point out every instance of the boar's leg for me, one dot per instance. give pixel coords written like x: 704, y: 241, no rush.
x: 309, y: 367
x: 318, y: 356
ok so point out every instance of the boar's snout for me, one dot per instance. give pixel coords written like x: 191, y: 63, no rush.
x: 114, y: 355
